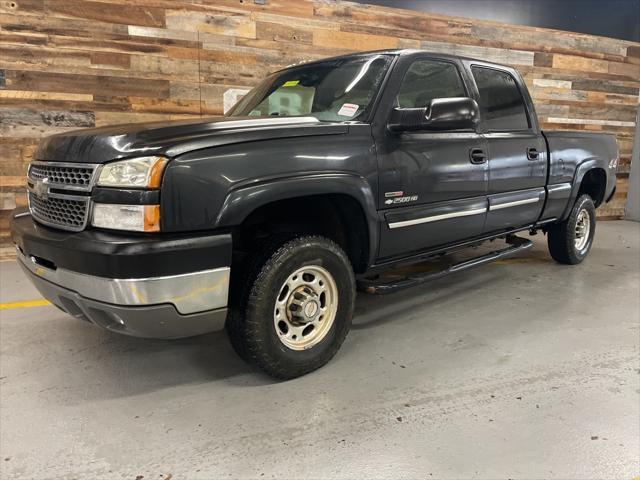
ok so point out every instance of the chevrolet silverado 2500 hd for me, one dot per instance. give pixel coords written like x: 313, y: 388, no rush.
x: 321, y: 177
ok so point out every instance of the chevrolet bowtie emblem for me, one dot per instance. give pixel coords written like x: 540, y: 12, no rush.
x: 41, y: 188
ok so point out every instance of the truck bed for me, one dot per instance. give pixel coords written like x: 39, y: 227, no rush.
x: 568, y: 150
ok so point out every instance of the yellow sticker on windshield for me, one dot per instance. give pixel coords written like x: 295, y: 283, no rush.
x: 291, y: 83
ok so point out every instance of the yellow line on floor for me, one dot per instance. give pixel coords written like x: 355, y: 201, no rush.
x: 24, y: 304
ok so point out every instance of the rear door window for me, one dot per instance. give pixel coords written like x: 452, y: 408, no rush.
x: 501, y: 100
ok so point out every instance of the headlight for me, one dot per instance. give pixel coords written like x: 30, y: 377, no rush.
x: 142, y: 172
x: 613, y: 163
x: 139, y: 218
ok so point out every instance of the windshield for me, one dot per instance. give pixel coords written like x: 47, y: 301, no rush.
x: 334, y: 90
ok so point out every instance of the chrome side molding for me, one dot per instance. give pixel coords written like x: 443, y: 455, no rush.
x: 475, y: 211
x: 515, y: 203
x: 559, y: 187
x: 436, y: 218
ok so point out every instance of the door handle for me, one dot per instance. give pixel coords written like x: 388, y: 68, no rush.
x: 477, y: 156
x: 532, y: 154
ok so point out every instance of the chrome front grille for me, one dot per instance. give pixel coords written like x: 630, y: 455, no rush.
x: 69, y: 213
x: 59, y: 193
x: 67, y: 176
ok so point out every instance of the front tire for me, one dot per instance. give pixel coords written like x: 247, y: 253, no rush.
x: 296, y: 307
x: 570, y: 241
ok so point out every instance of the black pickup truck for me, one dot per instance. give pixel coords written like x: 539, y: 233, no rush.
x: 323, y: 176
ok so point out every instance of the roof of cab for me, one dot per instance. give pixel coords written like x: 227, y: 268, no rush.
x: 396, y: 52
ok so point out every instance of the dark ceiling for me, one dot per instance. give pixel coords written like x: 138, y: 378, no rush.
x: 609, y: 18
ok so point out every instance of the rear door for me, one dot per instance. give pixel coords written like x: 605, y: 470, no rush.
x: 516, y: 149
x: 432, y: 186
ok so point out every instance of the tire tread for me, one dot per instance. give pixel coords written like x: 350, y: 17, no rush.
x: 560, y: 236
x: 243, y: 328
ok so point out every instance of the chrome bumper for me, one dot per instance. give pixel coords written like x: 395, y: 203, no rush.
x: 160, y: 307
x: 189, y: 293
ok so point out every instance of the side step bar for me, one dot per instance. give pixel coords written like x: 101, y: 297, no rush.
x: 380, y: 287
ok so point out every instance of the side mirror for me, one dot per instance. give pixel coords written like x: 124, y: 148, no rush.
x: 455, y: 113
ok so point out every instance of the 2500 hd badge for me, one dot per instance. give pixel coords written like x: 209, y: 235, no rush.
x: 397, y: 197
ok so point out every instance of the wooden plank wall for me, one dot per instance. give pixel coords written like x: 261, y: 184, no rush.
x: 67, y: 64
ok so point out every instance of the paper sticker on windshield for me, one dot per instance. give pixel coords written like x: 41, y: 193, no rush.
x: 291, y: 83
x: 348, y: 110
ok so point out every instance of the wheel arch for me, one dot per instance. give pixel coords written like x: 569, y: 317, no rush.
x: 590, y: 178
x: 340, y: 206
x: 594, y: 183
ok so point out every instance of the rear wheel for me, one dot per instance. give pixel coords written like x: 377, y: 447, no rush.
x: 296, y: 307
x: 570, y: 241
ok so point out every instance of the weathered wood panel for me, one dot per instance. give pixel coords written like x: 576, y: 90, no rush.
x: 68, y: 64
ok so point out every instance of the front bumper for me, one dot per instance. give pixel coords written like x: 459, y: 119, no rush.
x: 174, y: 304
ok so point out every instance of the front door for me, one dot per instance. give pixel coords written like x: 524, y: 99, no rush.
x: 432, y: 186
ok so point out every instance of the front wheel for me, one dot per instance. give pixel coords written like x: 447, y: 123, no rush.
x: 297, y: 307
x: 570, y: 241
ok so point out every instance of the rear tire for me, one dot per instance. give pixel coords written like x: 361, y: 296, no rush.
x: 295, y: 307
x: 570, y: 241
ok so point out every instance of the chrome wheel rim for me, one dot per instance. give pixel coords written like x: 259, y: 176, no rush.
x: 306, y: 307
x: 583, y: 227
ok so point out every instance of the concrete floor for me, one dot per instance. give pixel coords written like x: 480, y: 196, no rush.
x: 519, y: 369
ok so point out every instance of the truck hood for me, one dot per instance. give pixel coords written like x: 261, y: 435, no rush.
x: 100, y: 145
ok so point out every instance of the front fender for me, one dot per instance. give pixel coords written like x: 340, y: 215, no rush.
x: 240, y: 202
